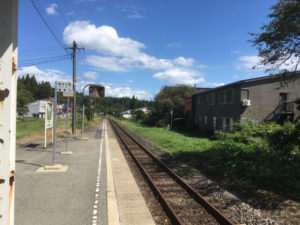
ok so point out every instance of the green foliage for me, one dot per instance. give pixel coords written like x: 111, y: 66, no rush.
x: 171, y: 98
x: 279, y: 40
x: 263, y: 156
x: 113, y: 105
x: 285, y: 139
x: 29, y: 90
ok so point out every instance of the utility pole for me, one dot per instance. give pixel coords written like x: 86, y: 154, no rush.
x: 74, y: 48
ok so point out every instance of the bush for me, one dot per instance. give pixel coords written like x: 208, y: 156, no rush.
x: 269, y: 137
x: 285, y: 139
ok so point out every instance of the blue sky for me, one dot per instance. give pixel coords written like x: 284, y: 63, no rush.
x: 135, y: 47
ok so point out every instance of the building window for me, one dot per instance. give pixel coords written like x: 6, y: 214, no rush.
x: 229, y: 122
x: 226, y: 96
x: 230, y: 95
x: 214, y: 121
x: 205, y: 120
x: 219, y: 123
x: 202, y: 99
x: 222, y: 97
x: 211, y: 98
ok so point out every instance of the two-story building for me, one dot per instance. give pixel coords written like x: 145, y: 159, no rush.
x: 269, y: 98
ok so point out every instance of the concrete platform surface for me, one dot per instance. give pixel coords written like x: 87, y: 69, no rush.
x: 131, y: 204
x: 97, y: 189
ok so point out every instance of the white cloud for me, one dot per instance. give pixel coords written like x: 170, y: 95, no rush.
x: 107, y: 63
x: 52, y: 75
x: 51, y: 10
x: 181, y: 61
x: 119, y: 54
x: 89, y: 75
x: 103, y: 39
x: 127, y: 92
x: 49, y: 75
x: 180, y: 76
x: 252, y: 62
x: 132, y: 11
x: 247, y: 62
x: 213, y: 84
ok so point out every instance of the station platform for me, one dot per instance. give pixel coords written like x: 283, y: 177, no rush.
x: 97, y: 188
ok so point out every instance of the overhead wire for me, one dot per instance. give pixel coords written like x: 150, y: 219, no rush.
x: 44, y: 61
x: 61, y: 13
x: 47, y: 25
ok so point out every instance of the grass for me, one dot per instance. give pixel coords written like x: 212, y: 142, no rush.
x: 31, y: 126
x: 170, y: 141
x: 253, y: 165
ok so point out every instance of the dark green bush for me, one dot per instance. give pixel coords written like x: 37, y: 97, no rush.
x: 285, y: 139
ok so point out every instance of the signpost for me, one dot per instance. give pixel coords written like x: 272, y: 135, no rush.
x: 66, y: 88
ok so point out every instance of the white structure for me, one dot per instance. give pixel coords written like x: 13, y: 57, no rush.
x: 129, y: 113
x: 36, y: 109
x: 126, y: 114
x: 143, y: 109
x: 8, y: 94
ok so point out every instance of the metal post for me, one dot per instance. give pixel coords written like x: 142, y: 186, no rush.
x: 82, y: 119
x: 45, y: 137
x: 67, y: 132
x: 74, y: 88
x: 8, y: 93
x: 171, y: 119
x: 54, y: 128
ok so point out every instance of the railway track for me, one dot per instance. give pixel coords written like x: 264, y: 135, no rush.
x: 182, y: 204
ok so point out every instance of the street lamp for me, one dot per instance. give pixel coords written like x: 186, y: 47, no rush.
x: 96, y: 91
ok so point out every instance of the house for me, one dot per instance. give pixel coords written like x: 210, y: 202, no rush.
x: 36, y: 109
x: 269, y: 98
x: 143, y: 109
x: 126, y: 114
x: 129, y: 113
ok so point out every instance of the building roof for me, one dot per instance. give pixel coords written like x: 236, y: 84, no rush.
x: 264, y: 78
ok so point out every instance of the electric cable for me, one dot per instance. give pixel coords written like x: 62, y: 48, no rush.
x: 47, y: 25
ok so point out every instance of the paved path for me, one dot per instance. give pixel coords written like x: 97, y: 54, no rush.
x: 97, y: 189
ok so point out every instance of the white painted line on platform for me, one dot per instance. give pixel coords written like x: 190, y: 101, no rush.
x: 95, y: 212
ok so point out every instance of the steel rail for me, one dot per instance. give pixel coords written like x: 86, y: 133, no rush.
x: 169, y: 210
x: 220, y: 217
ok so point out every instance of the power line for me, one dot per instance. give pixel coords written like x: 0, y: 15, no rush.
x: 47, y: 25
x: 42, y: 58
x: 44, y: 61
x: 61, y: 12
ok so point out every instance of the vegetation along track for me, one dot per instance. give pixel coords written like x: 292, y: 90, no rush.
x: 181, y: 202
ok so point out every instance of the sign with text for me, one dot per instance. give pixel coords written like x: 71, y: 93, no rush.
x: 48, y: 116
x: 65, y: 87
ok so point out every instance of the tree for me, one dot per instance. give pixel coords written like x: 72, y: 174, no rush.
x: 133, y: 102
x: 24, y: 96
x: 279, y: 42
x: 172, y: 98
